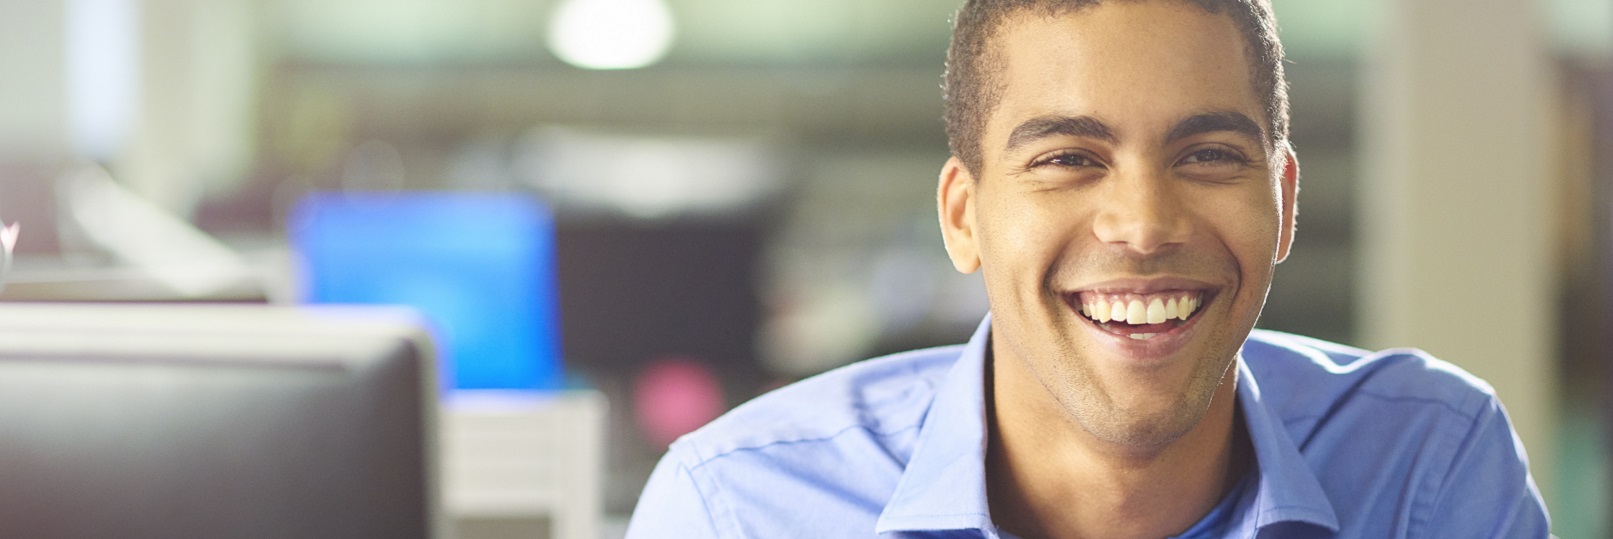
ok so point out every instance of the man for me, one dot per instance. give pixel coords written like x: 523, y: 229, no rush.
x: 1122, y: 179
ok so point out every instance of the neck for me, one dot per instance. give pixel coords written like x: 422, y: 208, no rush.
x: 1046, y: 481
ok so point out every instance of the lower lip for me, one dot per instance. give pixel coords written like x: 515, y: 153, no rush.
x: 1158, y: 347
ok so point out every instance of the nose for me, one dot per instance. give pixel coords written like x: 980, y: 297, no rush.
x: 1142, y: 213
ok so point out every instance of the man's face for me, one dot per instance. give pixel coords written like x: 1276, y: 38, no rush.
x: 1125, y: 175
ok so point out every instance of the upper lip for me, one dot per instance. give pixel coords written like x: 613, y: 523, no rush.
x: 1143, y: 285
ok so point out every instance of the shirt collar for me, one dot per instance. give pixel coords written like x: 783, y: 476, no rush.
x: 944, y: 484
x: 1288, y: 490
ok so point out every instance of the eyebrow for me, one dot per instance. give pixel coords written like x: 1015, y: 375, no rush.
x: 1042, y: 127
x: 1211, y: 122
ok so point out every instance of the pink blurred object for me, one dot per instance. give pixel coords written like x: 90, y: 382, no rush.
x: 674, y: 396
x: 8, y: 243
x: 8, y: 236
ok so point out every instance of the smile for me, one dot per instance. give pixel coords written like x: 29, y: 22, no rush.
x: 1137, y: 315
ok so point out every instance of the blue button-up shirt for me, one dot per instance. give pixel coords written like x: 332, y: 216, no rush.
x: 1348, y: 444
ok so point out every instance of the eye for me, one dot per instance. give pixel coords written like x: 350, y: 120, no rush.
x: 1215, y: 156
x: 1066, y: 159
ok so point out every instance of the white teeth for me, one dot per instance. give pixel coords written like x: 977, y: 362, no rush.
x: 1142, y: 336
x: 1156, y: 312
x: 1136, y: 313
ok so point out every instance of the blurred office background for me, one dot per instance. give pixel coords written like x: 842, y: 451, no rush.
x: 742, y: 190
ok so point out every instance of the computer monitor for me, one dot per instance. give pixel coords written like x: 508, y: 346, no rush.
x: 243, y: 421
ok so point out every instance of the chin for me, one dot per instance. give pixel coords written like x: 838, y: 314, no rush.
x: 1153, y: 423
x: 1148, y: 432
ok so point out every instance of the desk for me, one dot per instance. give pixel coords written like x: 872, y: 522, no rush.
x: 525, y: 455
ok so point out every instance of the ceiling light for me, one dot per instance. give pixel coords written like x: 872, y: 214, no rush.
x: 611, y: 34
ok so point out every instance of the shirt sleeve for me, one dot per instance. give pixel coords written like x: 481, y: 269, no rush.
x: 1489, y: 492
x: 672, y: 504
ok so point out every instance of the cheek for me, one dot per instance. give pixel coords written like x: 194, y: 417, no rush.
x: 1247, y: 228
x: 1248, y: 222
x: 1022, y: 241
x: 1027, y: 230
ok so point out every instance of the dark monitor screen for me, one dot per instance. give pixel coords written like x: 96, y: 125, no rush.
x: 180, y: 421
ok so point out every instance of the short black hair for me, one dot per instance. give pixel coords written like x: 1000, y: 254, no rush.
x: 971, y: 86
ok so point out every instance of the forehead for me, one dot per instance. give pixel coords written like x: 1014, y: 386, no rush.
x: 1134, y: 65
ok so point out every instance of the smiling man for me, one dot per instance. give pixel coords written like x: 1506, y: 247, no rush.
x: 1121, y: 178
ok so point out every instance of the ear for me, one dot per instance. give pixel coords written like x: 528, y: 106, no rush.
x: 1290, y: 189
x: 955, y: 198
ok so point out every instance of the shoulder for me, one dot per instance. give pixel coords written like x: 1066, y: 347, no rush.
x: 834, y: 445
x: 877, y: 396
x: 1305, y: 377
x: 1403, y: 442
